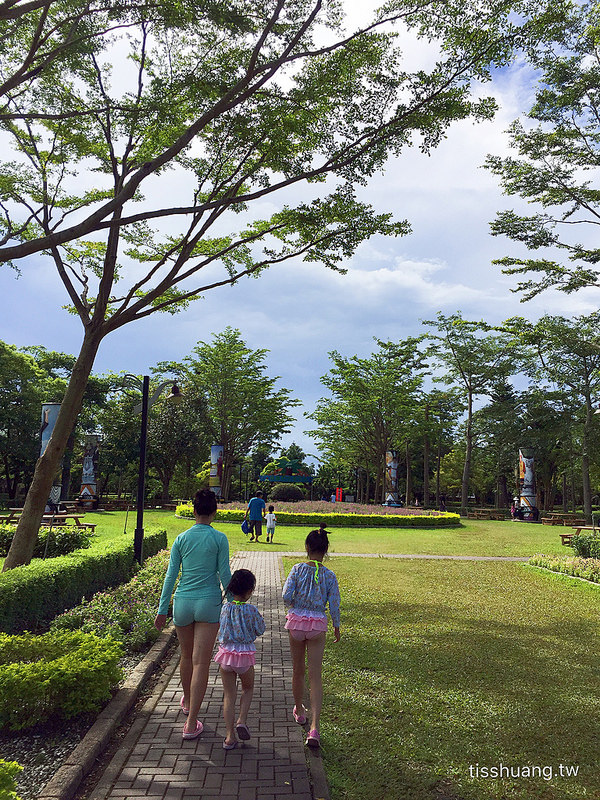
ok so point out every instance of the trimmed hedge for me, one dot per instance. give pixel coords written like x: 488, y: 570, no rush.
x: 58, y: 541
x: 439, y: 520
x: 56, y: 674
x: 125, y: 613
x: 34, y: 594
x: 586, y: 568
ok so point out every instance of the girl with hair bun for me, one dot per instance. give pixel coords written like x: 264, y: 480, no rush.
x: 309, y: 589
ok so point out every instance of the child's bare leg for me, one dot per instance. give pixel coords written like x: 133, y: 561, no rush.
x: 247, y: 681
x: 229, y: 680
x: 298, y: 652
x: 314, y: 650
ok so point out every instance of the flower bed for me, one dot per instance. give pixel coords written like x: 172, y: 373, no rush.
x: 333, y: 518
x: 586, y: 568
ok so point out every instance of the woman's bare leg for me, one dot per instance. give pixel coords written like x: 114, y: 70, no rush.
x: 205, y: 634
x: 185, y: 636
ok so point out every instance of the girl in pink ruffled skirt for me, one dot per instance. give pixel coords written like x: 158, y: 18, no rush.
x: 309, y: 589
x: 240, y: 624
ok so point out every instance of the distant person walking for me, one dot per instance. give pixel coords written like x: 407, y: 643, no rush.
x: 309, y: 588
x: 255, y: 514
x: 271, y: 522
x: 241, y: 623
x: 202, y: 555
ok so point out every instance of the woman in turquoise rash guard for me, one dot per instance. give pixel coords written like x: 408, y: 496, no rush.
x: 202, y: 555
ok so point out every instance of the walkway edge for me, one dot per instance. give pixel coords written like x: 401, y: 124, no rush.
x: 314, y: 760
x: 82, y: 759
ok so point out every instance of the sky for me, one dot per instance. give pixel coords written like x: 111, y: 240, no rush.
x: 302, y: 311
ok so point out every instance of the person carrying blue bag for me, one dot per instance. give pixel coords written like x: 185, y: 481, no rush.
x: 255, y: 513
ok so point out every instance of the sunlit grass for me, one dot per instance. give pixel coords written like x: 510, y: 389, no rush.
x: 445, y: 665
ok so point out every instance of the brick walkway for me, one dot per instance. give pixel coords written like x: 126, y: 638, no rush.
x: 155, y: 763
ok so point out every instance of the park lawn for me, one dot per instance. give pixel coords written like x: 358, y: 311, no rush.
x: 474, y: 537
x: 443, y: 666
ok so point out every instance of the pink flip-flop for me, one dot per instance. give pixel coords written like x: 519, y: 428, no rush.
x: 312, y: 740
x: 300, y: 718
x: 196, y: 733
x: 185, y: 710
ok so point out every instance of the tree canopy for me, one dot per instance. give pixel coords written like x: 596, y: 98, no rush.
x: 555, y: 168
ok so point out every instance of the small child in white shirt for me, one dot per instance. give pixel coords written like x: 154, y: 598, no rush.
x: 271, y: 521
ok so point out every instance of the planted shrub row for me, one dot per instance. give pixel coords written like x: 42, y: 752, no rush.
x: 51, y: 542
x: 34, y: 594
x: 125, y: 613
x: 586, y: 568
x: 439, y: 520
x: 57, y: 674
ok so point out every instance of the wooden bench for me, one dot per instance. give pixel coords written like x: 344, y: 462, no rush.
x: 566, y: 538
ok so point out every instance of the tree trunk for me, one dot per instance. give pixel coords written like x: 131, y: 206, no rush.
x: 467, y: 468
x: 165, y: 479
x: 437, y: 473
x: 23, y: 543
x: 565, y: 493
x: 585, y: 465
x: 408, y: 475
x: 426, y: 462
x: 503, y: 491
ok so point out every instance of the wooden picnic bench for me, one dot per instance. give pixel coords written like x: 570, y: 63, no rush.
x: 566, y: 538
x: 486, y: 513
x: 49, y: 520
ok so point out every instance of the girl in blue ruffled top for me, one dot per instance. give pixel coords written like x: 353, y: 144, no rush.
x: 309, y: 589
x: 240, y: 624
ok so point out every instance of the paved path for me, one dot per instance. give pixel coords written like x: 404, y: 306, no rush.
x: 156, y: 764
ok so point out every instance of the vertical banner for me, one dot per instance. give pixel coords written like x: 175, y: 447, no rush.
x: 216, y: 468
x: 527, y: 493
x: 49, y: 417
x: 391, y: 476
x: 87, y: 493
x: 339, y: 495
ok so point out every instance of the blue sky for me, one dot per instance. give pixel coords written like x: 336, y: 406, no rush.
x: 299, y: 311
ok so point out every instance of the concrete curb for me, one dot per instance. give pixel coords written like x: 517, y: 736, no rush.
x: 80, y: 762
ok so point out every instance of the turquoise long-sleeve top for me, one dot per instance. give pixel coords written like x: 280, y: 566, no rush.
x: 202, y: 555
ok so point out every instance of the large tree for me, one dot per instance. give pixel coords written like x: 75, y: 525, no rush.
x: 238, y: 404
x: 476, y: 360
x: 372, y: 407
x: 555, y: 166
x: 243, y: 101
x: 568, y: 352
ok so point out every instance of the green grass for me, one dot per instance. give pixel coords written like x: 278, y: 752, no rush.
x: 474, y: 538
x: 446, y: 665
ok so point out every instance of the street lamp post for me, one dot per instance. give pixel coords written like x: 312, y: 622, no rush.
x: 144, y: 407
x: 138, y: 536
